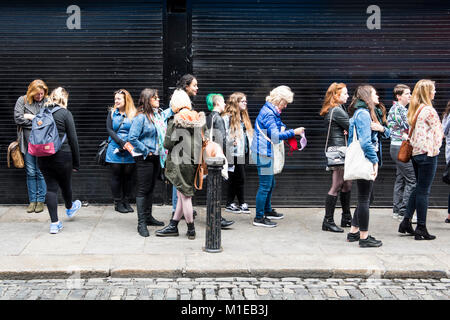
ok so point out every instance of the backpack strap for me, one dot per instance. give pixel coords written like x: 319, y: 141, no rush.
x: 52, y: 112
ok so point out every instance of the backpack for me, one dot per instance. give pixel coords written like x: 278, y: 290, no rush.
x: 44, y: 138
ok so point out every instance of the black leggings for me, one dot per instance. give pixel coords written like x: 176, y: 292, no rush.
x: 57, y: 171
x: 122, y: 180
x: 361, y: 215
x: 235, y: 183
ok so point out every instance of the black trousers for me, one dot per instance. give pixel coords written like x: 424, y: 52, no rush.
x: 147, y: 171
x: 361, y: 215
x: 235, y: 183
x: 122, y: 180
x: 57, y: 171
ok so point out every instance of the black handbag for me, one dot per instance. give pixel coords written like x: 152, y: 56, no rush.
x: 335, y: 155
x: 100, y: 157
x: 446, y: 175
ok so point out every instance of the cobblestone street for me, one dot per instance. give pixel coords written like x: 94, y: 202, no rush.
x: 233, y: 288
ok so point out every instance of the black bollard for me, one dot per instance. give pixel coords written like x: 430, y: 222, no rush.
x: 213, y: 208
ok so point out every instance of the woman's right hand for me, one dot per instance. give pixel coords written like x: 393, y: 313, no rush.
x: 298, y: 131
x: 29, y: 116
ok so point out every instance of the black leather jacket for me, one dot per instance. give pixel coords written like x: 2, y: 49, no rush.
x: 339, y: 123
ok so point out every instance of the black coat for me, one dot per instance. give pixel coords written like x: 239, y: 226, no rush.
x: 339, y: 123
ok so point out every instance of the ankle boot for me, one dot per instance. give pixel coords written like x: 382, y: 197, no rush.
x: 171, y: 230
x: 127, y: 206
x: 421, y: 233
x: 142, y: 226
x: 328, y: 221
x: 346, y: 220
x: 191, y: 231
x: 406, y: 227
x: 149, y: 219
x: 119, y: 206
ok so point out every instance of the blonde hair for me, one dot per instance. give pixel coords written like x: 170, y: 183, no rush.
x: 34, y: 88
x: 236, y: 114
x: 180, y: 100
x: 130, y: 109
x: 59, y: 96
x: 420, y: 95
x: 280, y: 93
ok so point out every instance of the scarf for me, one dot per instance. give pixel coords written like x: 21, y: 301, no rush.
x: 161, y: 128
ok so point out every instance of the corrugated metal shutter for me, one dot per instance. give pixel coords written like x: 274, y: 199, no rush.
x: 254, y: 46
x: 119, y: 45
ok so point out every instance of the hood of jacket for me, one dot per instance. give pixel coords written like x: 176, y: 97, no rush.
x: 186, y: 118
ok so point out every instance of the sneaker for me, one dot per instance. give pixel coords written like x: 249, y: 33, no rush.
x: 400, y: 216
x: 352, y: 237
x: 244, y: 208
x: 370, y: 242
x: 232, y: 208
x: 55, y: 227
x: 76, y: 205
x: 264, y: 222
x: 273, y: 215
x: 395, y: 215
x: 414, y: 219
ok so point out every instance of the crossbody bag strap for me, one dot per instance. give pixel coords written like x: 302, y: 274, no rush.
x: 329, y: 127
x: 413, y: 125
x: 266, y: 137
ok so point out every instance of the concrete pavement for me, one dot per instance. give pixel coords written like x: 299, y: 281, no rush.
x: 100, y: 242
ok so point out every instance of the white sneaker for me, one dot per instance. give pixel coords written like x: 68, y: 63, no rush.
x: 244, y: 208
x: 395, y: 215
x: 233, y: 208
x: 414, y: 219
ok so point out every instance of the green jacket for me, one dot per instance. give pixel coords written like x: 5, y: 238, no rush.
x: 183, y: 141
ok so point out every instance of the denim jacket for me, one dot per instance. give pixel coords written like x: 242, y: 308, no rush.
x: 367, y: 138
x: 118, y: 137
x: 143, y: 135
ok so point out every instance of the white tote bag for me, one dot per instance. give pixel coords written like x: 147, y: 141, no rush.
x: 356, y: 165
x: 277, y: 152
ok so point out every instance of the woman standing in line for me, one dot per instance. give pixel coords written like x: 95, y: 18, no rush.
x: 446, y: 126
x: 119, y: 159
x: 336, y: 120
x: 26, y: 108
x: 426, y: 141
x: 239, y: 134
x: 362, y: 110
x: 183, y: 136
x: 57, y: 168
x: 144, y: 137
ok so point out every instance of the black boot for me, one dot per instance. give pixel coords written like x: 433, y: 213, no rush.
x: 127, y: 206
x: 149, y: 219
x: 346, y: 220
x: 328, y: 221
x: 171, y: 230
x: 142, y: 226
x: 119, y: 206
x: 406, y: 227
x: 421, y: 233
x: 191, y: 231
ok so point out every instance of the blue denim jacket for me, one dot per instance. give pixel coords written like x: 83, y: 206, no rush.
x: 143, y: 135
x: 269, y: 121
x: 367, y: 138
x: 122, y: 131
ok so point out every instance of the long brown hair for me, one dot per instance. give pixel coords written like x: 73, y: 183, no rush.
x: 332, y: 97
x: 34, y: 88
x: 236, y: 114
x: 364, y: 93
x: 144, y: 104
x: 420, y: 95
x: 130, y: 109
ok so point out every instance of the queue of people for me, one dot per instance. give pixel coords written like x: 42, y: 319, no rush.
x: 147, y: 143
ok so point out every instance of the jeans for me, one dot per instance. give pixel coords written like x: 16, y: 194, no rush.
x: 266, y: 185
x: 174, y: 198
x: 57, y: 170
x: 405, y: 182
x: 35, y: 180
x: 361, y: 214
x: 425, y: 170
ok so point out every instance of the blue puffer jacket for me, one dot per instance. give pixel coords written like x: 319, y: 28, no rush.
x: 269, y: 121
x: 367, y: 138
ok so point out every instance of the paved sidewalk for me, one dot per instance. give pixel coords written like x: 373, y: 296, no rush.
x: 100, y: 242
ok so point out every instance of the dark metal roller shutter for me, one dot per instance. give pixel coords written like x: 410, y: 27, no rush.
x: 119, y: 45
x: 253, y: 46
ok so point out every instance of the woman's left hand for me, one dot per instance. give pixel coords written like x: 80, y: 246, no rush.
x: 376, y: 127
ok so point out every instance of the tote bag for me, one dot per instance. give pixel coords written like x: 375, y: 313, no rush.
x: 278, y: 153
x: 356, y: 165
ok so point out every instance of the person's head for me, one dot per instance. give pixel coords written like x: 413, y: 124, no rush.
x: 423, y: 93
x: 402, y: 94
x: 124, y: 102
x: 337, y: 94
x: 236, y: 108
x: 215, y: 101
x: 189, y: 84
x: 148, y: 101
x: 180, y: 100
x: 280, y: 97
x: 37, y: 91
x: 59, y: 96
x: 367, y: 94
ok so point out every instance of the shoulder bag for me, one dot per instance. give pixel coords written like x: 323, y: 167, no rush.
x: 277, y: 152
x: 100, y: 157
x: 405, y: 152
x: 335, y: 155
x: 14, y: 153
